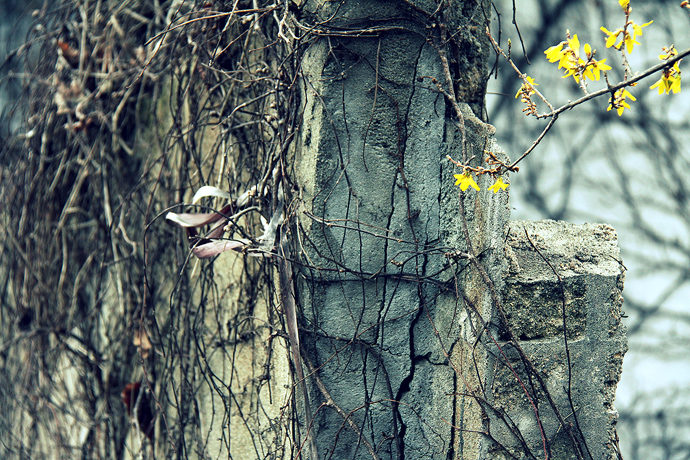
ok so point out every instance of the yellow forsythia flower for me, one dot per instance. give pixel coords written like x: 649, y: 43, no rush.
x: 498, y: 185
x: 619, y: 101
x: 670, y: 78
x: 527, y: 89
x: 567, y: 54
x: 627, y: 38
x: 465, y: 180
x: 596, y: 67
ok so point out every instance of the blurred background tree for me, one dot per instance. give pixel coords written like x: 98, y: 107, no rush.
x: 628, y: 171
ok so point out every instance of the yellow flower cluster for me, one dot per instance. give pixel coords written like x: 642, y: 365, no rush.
x: 618, y: 101
x: 527, y: 88
x: 525, y: 94
x: 626, y: 37
x: 567, y: 54
x: 466, y: 181
x: 630, y: 39
x: 498, y: 185
x: 582, y: 66
x: 670, y: 77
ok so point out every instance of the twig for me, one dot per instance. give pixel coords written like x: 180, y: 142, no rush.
x: 450, y: 92
x: 287, y: 294
x: 346, y: 417
x: 496, y: 302
x: 611, y: 89
x: 565, y: 341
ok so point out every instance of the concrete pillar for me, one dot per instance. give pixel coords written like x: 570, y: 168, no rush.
x: 379, y: 213
x: 406, y: 336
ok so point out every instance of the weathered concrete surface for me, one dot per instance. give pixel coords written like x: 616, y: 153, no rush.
x: 398, y: 323
x: 587, y: 259
x: 376, y: 289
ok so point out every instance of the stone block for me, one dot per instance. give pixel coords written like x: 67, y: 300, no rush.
x: 566, y: 317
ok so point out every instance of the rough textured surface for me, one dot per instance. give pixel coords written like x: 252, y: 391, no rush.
x: 372, y: 158
x: 398, y: 323
x: 587, y: 259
